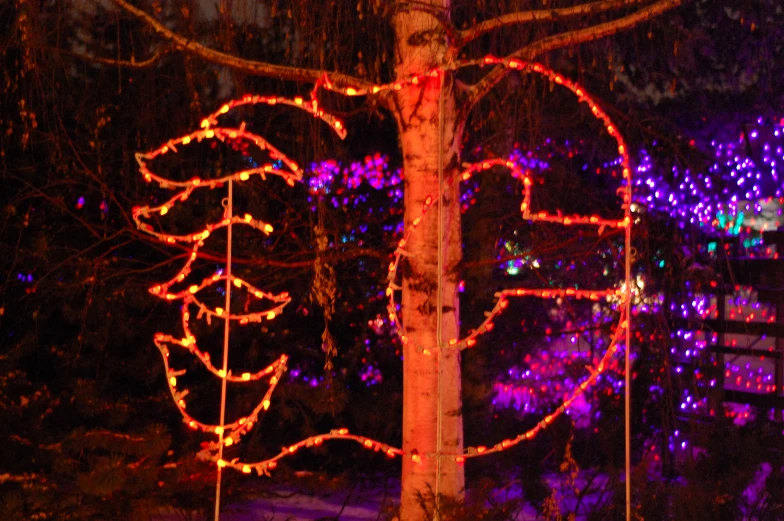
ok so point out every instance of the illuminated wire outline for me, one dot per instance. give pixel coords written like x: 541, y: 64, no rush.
x: 210, y: 132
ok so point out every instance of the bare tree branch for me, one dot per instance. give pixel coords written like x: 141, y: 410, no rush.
x: 543, y: 15
x: 253, y: 67
x: 595, y: 32
x: 558, y: 41
x: 132, y: 63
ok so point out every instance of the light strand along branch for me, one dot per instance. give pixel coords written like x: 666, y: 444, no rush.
x: 253, y: 67
x: 542, y: 15
x: 558, y: 41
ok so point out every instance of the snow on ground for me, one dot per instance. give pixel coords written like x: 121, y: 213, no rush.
x: 350, y: 505
x: 374, y: 501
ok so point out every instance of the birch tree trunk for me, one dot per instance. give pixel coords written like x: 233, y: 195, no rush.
x: 420, y: 45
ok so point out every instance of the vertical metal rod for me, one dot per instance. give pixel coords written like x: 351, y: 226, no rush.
x: 627, y: 357
x: 779, y: 367
x: 440, y: 297
x: 226, y: 328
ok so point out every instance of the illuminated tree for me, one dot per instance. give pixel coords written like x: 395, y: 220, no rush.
x: 431, y: 105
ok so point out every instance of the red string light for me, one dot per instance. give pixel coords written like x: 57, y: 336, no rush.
x: 502, y: 297
x: 516, y: 172
x: 232, y: 432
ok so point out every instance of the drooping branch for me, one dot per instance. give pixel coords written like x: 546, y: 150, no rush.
x: 543, y: 15
x: 595, y: 32
x: 253, y: 67
x: 116, y: 62
x: 558, y: 41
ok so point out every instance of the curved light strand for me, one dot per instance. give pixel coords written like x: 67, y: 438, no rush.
x: 209, y: 130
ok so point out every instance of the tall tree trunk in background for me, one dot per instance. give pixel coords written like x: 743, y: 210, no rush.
x: 420, y: 45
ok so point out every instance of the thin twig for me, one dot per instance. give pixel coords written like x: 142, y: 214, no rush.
x: 253, y: 67
x: 570, y: 38
x: 132, y: 63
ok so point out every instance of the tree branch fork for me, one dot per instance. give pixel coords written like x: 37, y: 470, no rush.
x: 458, y: 39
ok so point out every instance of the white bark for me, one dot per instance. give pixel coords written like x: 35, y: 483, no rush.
x: 422, y: 45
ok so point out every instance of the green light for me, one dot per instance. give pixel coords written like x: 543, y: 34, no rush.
x: 661, y: 263
x: 722, y: 220
x: 738, y: 223
x: 711, y: 246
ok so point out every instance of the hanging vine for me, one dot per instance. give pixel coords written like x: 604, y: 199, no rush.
x: 323, y: 290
